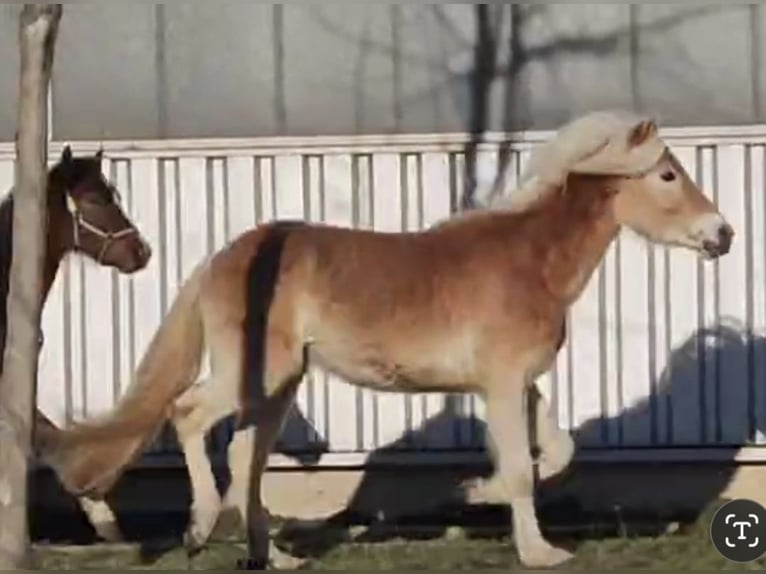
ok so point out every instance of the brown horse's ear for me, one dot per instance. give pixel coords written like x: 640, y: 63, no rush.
x: 66, y: 155
x: 100, y: 153
x: 642, y: 132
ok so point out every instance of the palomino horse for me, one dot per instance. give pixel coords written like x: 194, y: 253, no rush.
x: 476, y: 303
x: 83, y: 216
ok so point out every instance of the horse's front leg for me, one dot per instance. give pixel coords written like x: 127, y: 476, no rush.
x: 556, y: 445
x: 509, y: 438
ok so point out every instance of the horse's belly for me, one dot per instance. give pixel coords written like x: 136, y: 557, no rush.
x: 389, y: 374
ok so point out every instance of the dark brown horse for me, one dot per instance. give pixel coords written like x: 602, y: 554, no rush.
x: 84, y: 215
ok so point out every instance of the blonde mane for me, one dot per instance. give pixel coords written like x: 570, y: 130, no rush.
x: 596, y: 143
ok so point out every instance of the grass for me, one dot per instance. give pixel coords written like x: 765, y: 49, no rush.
x: 686, y: 547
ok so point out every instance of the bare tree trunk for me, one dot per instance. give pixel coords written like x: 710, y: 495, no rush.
x: 38, y: 27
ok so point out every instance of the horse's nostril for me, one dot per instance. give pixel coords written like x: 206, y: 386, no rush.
x: 725, y: 236
x: 144, y: 250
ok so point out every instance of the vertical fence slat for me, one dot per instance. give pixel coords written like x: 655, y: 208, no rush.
x: 170, y: 229
x: 317, y: 410
x: 195, y: 215
x: 611, y: 347
x: 344, y: 418
x: 124, y: 292
x: 290, y: 205
x: 76, y: 336
x: 634, y: 304
x: 288, y: 179
x: 586, y: 376
x: 265, y: 182
x: 145, y: 210
x: 387, y: 216
x: 680, y: 375
x: 732, y: 289
x: 190, y: 232
x: 757, y: 213
x: 659, y: 342
x: 412, y: 199
x: 52, y: 374
x: 439, y: 430
x: 709, y: 310
x: 101, y: 348
x: 218, y: 202
x: 240, y: 194
x: 363, y: 219
x: 466, y: 425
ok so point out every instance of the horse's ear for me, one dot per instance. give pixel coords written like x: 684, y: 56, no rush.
x: 641, y: 132
x: 66, y: 155
x: 100, y: 154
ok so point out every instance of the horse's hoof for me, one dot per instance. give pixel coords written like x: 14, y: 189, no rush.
x: 283, y: 561
x: 557, y: 455
x: 229, y: 526
x: 109, y: 532
x: 192, y: 544
x: 545, y: 556
x: 252, y: 564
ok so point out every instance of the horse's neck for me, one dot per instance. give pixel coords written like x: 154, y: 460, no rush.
x: 579, y: 235
x: 53, y: 256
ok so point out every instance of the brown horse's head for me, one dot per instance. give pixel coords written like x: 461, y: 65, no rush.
x: 664, y: 205
x: 85, y: 215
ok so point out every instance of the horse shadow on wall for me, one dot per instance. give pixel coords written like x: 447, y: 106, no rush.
x: 439, y: 499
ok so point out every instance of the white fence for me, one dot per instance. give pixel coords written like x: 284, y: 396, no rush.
x: 625, y: 379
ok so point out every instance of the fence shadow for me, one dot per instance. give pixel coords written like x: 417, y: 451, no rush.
x: 438, y: 499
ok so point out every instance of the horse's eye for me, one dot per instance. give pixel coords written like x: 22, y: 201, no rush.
x: 99, y: 199
x: 668, y: 176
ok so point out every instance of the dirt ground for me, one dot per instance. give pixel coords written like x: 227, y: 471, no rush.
x: 606, y: 543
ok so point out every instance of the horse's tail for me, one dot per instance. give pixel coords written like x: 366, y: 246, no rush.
x: 90, y: 456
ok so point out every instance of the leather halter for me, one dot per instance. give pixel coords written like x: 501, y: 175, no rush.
x: 79, y: 221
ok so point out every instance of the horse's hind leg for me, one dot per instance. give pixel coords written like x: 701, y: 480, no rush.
x: 101, y: 518
x: 239, y: 457
x: 195, y: 413
x: 285, y: 365
x: 509, y: 433
x: 248, y: 457
x: 556, y: 445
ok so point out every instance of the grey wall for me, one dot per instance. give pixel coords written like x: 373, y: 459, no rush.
x: 236, y: 69
x: 9, y: 66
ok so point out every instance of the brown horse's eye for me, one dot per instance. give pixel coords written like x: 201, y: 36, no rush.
x: 97, y: 199
x: 668, y: 176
